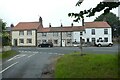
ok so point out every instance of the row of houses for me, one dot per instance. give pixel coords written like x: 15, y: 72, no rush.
x: 34, y: 33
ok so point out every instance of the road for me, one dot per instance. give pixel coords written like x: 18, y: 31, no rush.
x: 30, y: 61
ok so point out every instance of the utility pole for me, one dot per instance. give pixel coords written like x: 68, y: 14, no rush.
x: 81, y: 41
x: 61, y: 35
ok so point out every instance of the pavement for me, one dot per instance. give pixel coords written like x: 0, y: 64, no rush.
x: 31, y: 61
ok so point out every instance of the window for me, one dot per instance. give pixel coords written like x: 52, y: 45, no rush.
x: 68, y: 41
x: 55, y: 41
x: 21, y: 33
x: 29, y: 32
x: 81, y: 33
x: 68, y: 34
x: 21, y: 40
x: 105, y: 39
x: 93, y: 31
x: 105, y: 31
x: 55, y: 33
x: 50, y: 40
x: 43, y: 41
x: 93, y: 40
x: 44, y: 34
x: 29, y: 40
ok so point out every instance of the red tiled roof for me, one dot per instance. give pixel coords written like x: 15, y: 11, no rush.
x: 27, y: 26
x: 63, y: 29
x: 43, y: 30
x: 39, y: 28
x: 99, y: 24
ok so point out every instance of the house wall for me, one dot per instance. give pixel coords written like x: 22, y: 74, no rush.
x: 50, y: 36
x: 15, y: 35
x: 99, y: 33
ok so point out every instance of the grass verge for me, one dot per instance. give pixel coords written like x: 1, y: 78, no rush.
x: 87, y: 66
x: 7, y: 54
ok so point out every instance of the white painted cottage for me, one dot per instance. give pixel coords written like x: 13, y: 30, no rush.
x: 94, y: 31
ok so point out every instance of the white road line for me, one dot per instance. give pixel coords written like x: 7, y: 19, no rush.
x: 31, y: 55
x: 8, y: 67
x: 12, y: 58
x: 55, y: 53
x: 17, y: 56
x: 50, y: 53
x: 60, y: 54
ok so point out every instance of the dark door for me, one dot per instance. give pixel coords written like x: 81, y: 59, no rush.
x: 88, y: 40
x: 15, y: 42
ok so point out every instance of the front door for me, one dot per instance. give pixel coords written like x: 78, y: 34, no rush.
x: 63, y: 43
x: 15, y: 42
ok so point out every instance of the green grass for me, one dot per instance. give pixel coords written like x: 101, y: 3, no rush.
x: 7, y: 54
x: 87, y: 66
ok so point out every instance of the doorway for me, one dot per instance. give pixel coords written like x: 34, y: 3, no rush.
x: 15, y: 42
x: 63, y: 43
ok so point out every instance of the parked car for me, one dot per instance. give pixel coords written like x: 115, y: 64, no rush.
x: 46, y: 45
x: 101, y: 42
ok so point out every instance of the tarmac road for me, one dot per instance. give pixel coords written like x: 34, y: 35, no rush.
x: 30, y: 61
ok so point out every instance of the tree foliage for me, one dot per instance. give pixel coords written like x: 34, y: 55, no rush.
x: 112, y: 20
x: 3, y: 34
x: 106, y: 6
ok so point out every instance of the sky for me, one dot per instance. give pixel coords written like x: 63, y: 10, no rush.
x: 51, y: 11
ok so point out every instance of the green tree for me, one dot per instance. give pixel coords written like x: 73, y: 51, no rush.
x: 3, y: 34
x: 112, y: 20
x: 102, y: 6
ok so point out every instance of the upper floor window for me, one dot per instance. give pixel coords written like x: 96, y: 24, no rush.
x: 29, y: 32
x: 21, y: 40
x: 69, y: 34
x: 93, y: 31
x: 44, y: 34
x: 105, y: 31
x: 81, y: 33
x: 55, y: 33
x: 21, y: 33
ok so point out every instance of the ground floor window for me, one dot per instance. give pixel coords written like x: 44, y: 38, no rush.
x: 44, y: 41
x: 69, y: 41
x: 50, y: 40
x: 106, y: 39
x: 29, y: 40
x: 21, y: 40
x: 93, y: 40
x: 55, y: 41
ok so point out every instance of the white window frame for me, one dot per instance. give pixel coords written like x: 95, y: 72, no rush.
x: 21, y: 33
x: 21, y: 42
x: 29, y: 32
x: 29, y: 41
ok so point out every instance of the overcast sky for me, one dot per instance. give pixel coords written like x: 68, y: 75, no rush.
x: 52, y: 11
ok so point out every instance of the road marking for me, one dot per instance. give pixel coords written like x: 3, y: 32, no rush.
x: 12, y: 58
x: 60, y: 54
x: 8, y: 67
x: 31, y: 55
x: 50, y: 53
x: 17, y: 56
